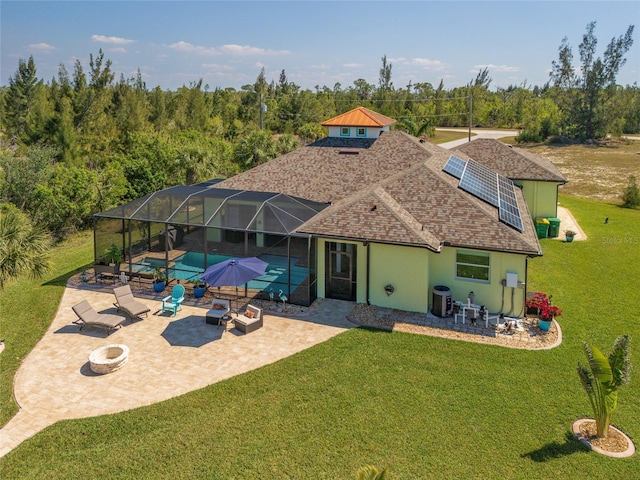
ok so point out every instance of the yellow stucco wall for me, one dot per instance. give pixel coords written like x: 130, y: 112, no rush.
x: 414, y: 272
x: 443, y: 272
x: 541, y: 197
x: 406, y: 269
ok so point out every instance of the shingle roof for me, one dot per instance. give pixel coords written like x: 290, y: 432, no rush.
x: 359, y: 117
x: 513, y: 163
x: 416, y: 203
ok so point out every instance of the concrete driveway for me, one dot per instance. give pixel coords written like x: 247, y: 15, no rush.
x: 475, y: 133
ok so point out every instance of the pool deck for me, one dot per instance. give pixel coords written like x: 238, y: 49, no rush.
x: 169, y: 356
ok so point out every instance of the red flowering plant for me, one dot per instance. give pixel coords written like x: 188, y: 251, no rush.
x: 541, y: 303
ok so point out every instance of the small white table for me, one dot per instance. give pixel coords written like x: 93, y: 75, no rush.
x: 474, y: 309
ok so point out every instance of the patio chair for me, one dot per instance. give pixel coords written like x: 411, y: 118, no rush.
x: 126, y: 302
x: 87, y: 316
x: 173, y: 302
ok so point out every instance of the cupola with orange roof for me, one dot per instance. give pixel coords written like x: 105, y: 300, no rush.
x: 359, y: 123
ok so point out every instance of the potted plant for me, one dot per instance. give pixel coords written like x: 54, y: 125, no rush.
x: 547, y: 314
x: 569, y: 234
x: 109, y: 262
x: 546, y: 311
x: 535, y: 301
x: 159, y: 280
x: 199, y: 288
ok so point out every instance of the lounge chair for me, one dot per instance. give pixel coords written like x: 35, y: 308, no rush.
x: 174, y: 301
x: 87, y: 316
x: 220, y: 309
x: 126, y: 302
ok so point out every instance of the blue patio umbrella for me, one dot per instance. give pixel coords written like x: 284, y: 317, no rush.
x: 234, y: 272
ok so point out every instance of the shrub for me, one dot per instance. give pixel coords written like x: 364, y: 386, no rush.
x: 631, y: 195
x: 529, y: 135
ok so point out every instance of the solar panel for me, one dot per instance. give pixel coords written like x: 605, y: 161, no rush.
x: 487, y: 185
x: 455, y: 166
x: 481, y: 182
x: 508, y: 210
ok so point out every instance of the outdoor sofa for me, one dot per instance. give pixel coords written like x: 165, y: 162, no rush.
x: 250, y: 320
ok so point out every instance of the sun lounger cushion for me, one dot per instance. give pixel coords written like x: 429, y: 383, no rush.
x: 88, y: 316
x: 127, y: 302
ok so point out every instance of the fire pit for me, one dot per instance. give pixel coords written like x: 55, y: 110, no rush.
x: 109, y: 358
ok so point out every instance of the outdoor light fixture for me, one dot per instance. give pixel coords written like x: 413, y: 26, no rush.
x: 389, y: 289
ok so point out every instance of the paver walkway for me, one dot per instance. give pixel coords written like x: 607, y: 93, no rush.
x: 169, y: 356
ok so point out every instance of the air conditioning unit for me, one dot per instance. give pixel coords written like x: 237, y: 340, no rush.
x: 442, y: 303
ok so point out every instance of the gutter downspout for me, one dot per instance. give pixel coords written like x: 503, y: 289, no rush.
x: 526, y: 285
x: 367, y: 276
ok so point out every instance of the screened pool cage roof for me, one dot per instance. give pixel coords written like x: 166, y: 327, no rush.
x: 204, y: 205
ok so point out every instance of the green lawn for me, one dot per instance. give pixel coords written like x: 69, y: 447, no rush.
x: 27, y: 308
x: 443, y: 136
x: 425, y: 407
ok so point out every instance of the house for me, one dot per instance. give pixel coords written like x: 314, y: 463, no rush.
x: 537, y: 176
x: 365, y: 214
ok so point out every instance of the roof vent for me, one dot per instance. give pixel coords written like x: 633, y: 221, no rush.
x: 349, y: 151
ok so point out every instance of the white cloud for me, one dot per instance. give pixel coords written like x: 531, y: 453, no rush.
x: 234, y: 50
x: 425, y: 63
x: 118, y: 50
x: 190, y: 48
x: 319, y: 66
x: 218, y: 67
x: 428, y: 64
x: 249, y: 50
x: 41, y: 47
x: 494, y: 68
x: 112, y: 40
x: 352, y: 65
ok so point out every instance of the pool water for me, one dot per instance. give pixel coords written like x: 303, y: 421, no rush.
x: 189, y: 267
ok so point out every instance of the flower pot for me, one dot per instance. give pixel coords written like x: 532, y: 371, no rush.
x: 198, y: 292
x: 544, y: 325
x: 158, y: 286
x: 569, y: 239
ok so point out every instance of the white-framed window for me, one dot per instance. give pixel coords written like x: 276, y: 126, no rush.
x: 345, y: 132
x: 473, y: 266
x: 361, y: 132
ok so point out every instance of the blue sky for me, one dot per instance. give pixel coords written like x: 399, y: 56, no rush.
x: 317, y: 43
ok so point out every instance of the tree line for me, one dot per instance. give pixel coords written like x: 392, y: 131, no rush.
x: 84, y: 142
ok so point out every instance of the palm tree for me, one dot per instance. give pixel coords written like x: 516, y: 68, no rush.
x: 604, y: 378
x: 409, y: 125
x: 23, y: 247
x: 255, y: 148
x: 372, y: 473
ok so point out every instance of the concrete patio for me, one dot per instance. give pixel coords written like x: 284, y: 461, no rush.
x: 169, y: 356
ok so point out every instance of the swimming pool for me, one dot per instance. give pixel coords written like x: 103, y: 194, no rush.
x: 189, y: 267
x: 147, y: 265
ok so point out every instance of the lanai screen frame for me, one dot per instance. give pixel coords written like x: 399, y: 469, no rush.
x: 244, y: 222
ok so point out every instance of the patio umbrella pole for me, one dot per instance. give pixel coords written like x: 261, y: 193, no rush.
x: 234, y: 272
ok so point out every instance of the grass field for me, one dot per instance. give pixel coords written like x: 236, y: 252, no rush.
x: 425, y: 407
x: 27, y: 308
x: 443, y: 136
